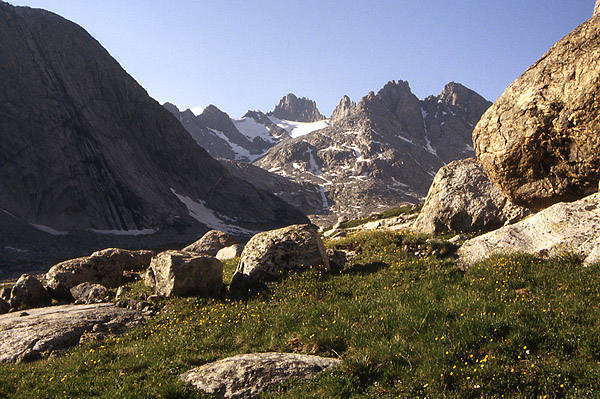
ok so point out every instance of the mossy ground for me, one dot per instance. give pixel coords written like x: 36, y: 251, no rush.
x: 405, y: 326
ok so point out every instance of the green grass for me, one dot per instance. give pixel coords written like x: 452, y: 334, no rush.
x: 405, y: 326
x: 390, y: 213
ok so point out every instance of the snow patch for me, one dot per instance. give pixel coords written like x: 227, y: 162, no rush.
x: 49, y: 230
x: 299, y: 129
x: 207, y: 216
x: 252, y: 129
x: 241, y: 154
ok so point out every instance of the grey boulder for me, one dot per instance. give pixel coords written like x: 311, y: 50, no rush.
x: 102, y: 267
x: 28, y: 291
x: 49, y: 330
x: 231, y: 252
x: 566, y: 226
x: 463, y: 199
x: 269, y: 254
x: 210, y: 243
x: 246, y: 376
x: 86, y: 293
x: 178, y: 273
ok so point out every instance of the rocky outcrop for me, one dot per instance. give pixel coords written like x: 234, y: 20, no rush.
x: 231, y: 252
x: 28, y: 291
x: 86, y: 293
x: 84, y: 148
x: 269, y: 254
x: 597, y: 8
x: 566, y: 226
x: 301, y: 109
x: 45, y: 331
x: 382, y: 151
x: 305, y: 196
x: 210, y: 243
x: 177, y: 273
x: 539, y: 141
x: 246, y: 376
x: 463, y: 199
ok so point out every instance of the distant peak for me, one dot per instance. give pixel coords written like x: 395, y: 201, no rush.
x: 301, y: 109
x: 457, y: 94
x: 171, y: 107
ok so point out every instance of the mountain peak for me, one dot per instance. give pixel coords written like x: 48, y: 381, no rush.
x: 300, y: 109
x: 344, y: 109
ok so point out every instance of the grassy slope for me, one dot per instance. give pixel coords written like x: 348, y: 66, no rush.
x: 405, y: 327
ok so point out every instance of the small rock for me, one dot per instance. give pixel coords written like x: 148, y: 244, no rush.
x: 231, y: 252
x: 122, y: 290
x: 456, y: 239
x: 87, y: 293
x: 23, y: 314
x: 246, y: 376
x: 28, y: 291
x: 210, y: 243
x: 337, y: 258
x: 5, y: 293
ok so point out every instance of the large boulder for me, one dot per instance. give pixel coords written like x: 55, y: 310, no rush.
x: 269, y: 254
x: 462, y: 198
x: 178, y: 273
x: 210, y: 243
x: 128, y: 259
x: 28, y: 291
x: 86, y: 293
x: 103, y: 267
x: 45, y: 331
x: 568, y: 226
x: 246, y: 376
x: 539, y: 142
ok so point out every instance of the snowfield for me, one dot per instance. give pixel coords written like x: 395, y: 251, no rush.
x: 299, y: 129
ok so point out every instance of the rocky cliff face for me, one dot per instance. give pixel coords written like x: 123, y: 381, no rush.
x: 305, y: 196
x: 297, y: 109
x: 83, y: 146
x: 385, y: 149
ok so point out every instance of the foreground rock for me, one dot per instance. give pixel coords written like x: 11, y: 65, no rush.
x: 539, y: 142
x: 231, y: 252
x: 246, y: 376
x: 28, y: 291
x: 45, y: 331
x: 462, y: 198
x: 269, y: 254
x: 565, y: 226
x: 210, y: 243
x: 103, y: 267
x: 178, y: 273
x: 87, y: 293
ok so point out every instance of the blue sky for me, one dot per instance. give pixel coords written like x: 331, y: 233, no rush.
x: 247, y: 54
